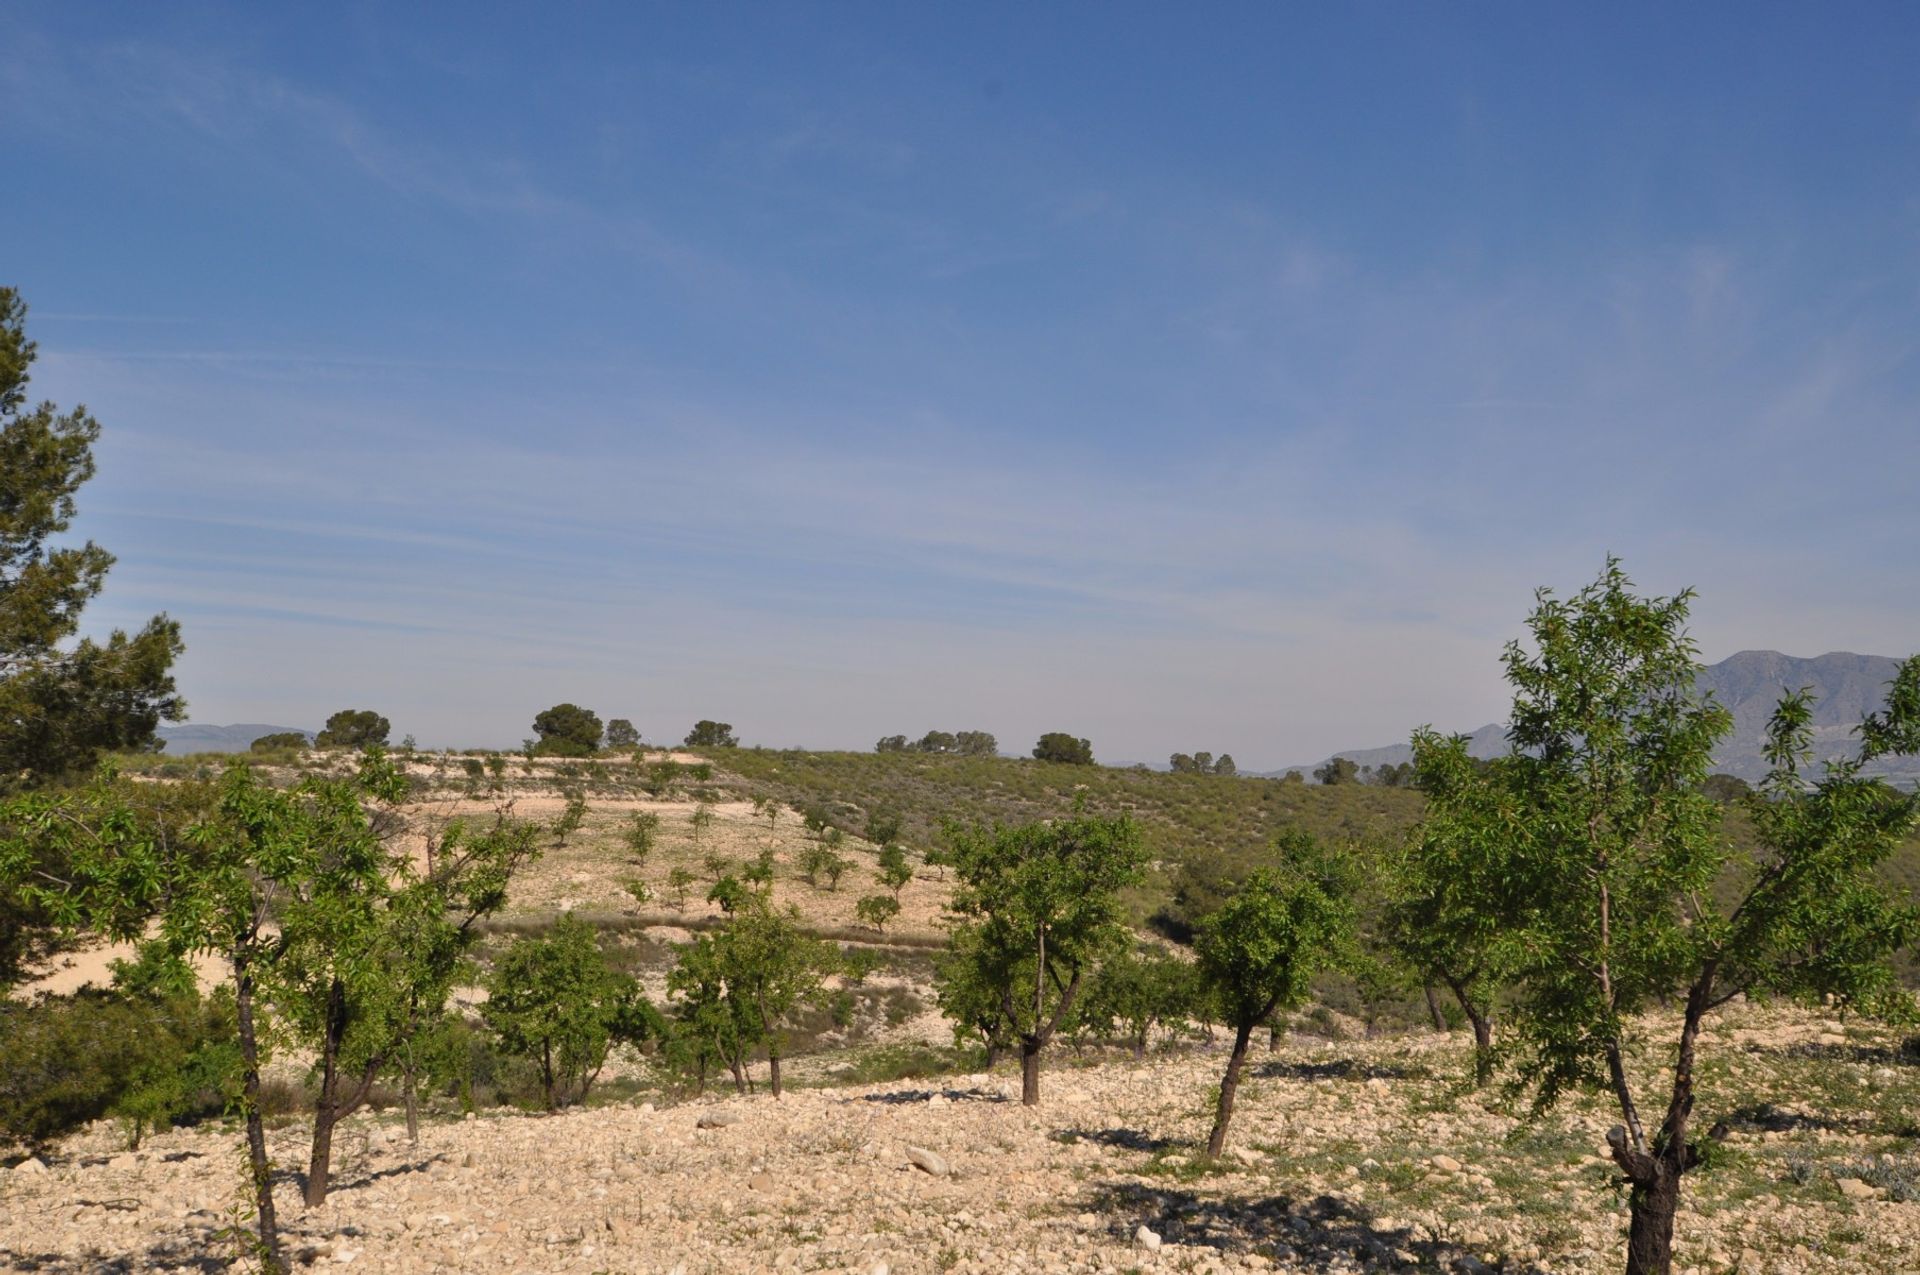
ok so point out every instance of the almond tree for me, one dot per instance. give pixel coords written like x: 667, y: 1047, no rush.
x: 1037, y: 908
x: 1259, y: 952
x: 1448, y: 910
x: 1633, y: 914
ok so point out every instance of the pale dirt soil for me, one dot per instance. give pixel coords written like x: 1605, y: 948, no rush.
x: 1347, y: 1156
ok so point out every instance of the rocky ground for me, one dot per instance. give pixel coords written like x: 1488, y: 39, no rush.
x: 1346, y: 1156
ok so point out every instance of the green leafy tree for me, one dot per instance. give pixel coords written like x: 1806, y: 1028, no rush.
x: 760, y: 872
x: 680, y: 880
x: 1182, y: 764
x: 969, y: 982
x: 370, y: 946
x: 567, y: 730
x: 573, y: 814
x: 1057, y: 746
x: 976, y: 743
x: 699, y: 821
x: 1450, y: 906
x: 1138, y: 989
x: 711, y: 734
x: 354, y: 728
x: 714, y: 1025
x: 883, y: 827
x: 62, y: 702
x: 241, y: 870
x: 1258, y: 954
x: 774, y: 969
x: 553, y: 999
x: 279, y: 741
x: 1338, y: 770
x: 894, y: 871
x: 876, y: 910
x: 641, y: 835
x: 893, y: 744
x: 1041, y: 901
x: 1619, y: 851
x: 937, y: 741
x: 622, y: 735
x: 1223, y: 765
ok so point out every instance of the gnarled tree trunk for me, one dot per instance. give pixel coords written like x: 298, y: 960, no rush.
x: 1030, y: 1071
x: 262, y: 1170
x: 1217, y: 1140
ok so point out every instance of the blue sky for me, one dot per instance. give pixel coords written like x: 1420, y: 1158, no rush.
x: 1184, y: 378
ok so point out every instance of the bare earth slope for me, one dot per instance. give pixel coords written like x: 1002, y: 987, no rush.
x: 1346, y: 1156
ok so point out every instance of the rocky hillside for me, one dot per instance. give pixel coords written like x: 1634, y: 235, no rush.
x: 1346, y: 1156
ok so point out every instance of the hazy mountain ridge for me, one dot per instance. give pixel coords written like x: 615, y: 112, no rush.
x: 198, y: 737
x: 1845, y: 687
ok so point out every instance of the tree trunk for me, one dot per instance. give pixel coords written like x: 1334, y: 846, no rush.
x: 1217, y: 1140
x: 413, y: 1107
x: 739, y: 1075
x: 326, y: 1109
x: 1273, y: 1037
x: 1433, y: 1009
x: 1652, y: 1207
x: 1482, y: 1047
x: 1140, y: 1046
x: 994, y: 1050
x: 262, y: 1169
x: 320, y: 1163
x: 773, y: 1071
x: 1029, y: 1071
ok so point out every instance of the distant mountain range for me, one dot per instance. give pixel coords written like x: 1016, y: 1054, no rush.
x: 196, y: 738
x: 1845, y: 687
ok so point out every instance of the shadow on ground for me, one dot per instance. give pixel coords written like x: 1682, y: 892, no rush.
x: 1339, y: 1069
x: 900, y: 1097
x: 1127, y: 1139
x: 1311, y: 1234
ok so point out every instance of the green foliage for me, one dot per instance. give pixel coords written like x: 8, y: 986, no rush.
x: 877, y: 909
x: 760, y: 871
x: 1043, y: 900
x: 622, y: 735
x: 739, y: 990
x: 966, y: 743
x: 553, y: 999
x: 145, y: 1060
x: 894, y: 870
x: 572, y: 815
x: 641, y: 834
x: 883, y: 827
x: 823, y: 859
x: 1451, y: 893
x: 1057, y: 746
x: 700, y: 820
x: 62, y: 702
x: 567, y: 730
x: 1136, y: 990
x: 1338, y: 770
x: 279, y: 741
x: 680, y: 880
x: 354, y: 728
x: 711, y: 734
x: 1727, y: 789
x: 642, y: 893
x: 1257, y: 954
x: 1625, y: 895
x: 1202, y: 763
